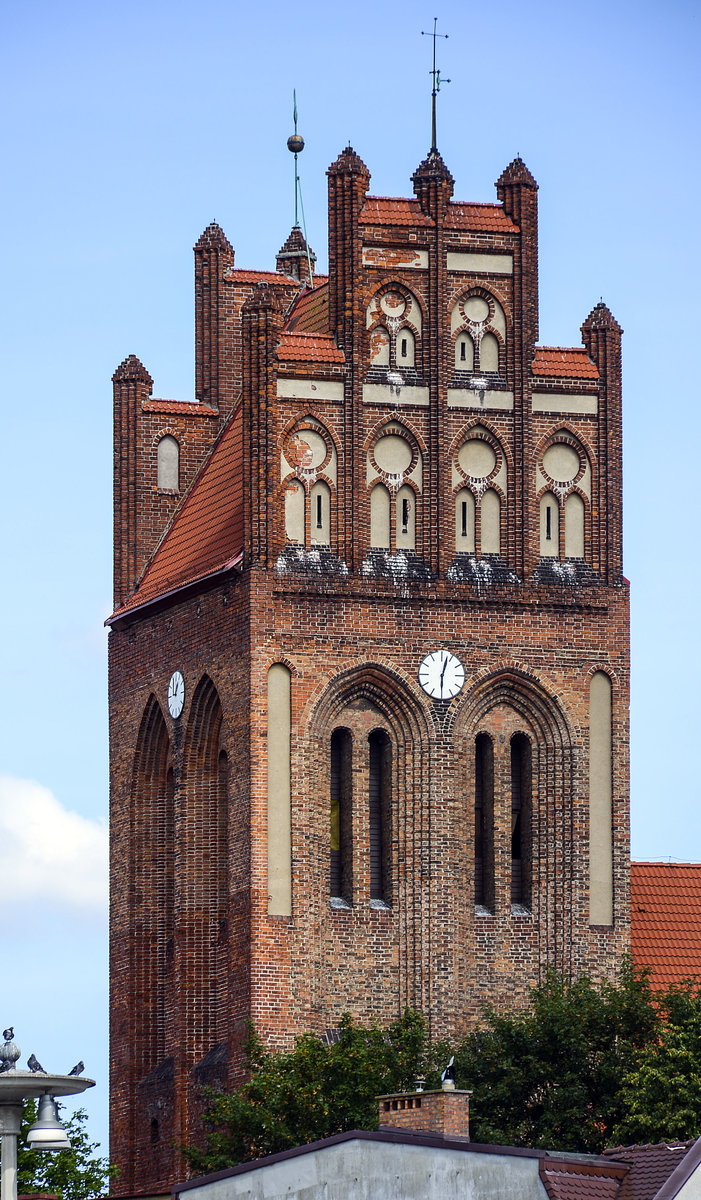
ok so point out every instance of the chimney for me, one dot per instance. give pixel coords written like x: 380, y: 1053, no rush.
x: 445, y: 1112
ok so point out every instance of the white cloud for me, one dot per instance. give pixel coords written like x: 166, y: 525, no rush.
x: 49, y: 854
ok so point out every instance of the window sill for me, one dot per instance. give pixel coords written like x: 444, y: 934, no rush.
x: 340, y: 904
x: 520, y: 910
x: 481, y: 911
x: 380, y: 906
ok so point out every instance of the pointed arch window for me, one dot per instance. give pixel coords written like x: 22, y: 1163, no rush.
x: 484, y: 822
x: 340, y: 838
x: 521, y: 822
x: 379, y: 804
x: 168, y: 459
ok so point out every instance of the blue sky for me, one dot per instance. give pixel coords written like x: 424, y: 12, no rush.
x: 127, y: 128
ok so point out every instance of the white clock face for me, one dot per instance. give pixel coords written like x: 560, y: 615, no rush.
x: 176, y: 694
x: 441, y: 674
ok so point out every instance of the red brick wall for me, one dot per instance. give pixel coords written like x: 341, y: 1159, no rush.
x: 353, y: 635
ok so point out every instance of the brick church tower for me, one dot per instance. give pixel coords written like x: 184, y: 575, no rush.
x: 369, y: 655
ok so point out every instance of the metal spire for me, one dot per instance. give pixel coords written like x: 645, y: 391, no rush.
x: 437, y: 81
x: 295, y: 144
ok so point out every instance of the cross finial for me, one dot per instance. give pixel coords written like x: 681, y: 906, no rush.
x: 437, y: 81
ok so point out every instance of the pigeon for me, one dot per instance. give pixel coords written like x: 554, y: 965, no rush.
x: 8, y: 1034
x: 449, y: 1072
x: 78, y: 1068
x: 34, y: 1064
x: 7, y: 1065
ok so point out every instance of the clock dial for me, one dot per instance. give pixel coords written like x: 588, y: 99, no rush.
x: 441, y: 675
x: 176, y: 694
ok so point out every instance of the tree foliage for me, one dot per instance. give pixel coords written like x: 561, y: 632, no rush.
x: 550, y: 1075
x: 661, y: 1091
x: 313, y: 1091
x: 581, y: 1067
x: 74, y: 1174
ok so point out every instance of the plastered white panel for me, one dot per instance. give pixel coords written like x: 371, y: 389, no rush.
x: 467, y: 398
x: 279, y: 791
x: 310, y: 389
x: 493, y: 264
x: 491, y: 513
x: 385, y: 393
x: 385, y: 256
x: 552, y: 402
x: 600, y: 793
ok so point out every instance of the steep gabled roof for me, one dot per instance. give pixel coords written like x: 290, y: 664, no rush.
x: 650, y: 1166
x: 665, y: 910
x: 310, y: 311
x: 206, y: 535
x: 564, y: 362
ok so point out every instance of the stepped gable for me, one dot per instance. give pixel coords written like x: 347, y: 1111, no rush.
x: 206, y: 535
x: 564, y: 362
x: 310, y: 311
x: 665, y: 912
x: 651, y: 1167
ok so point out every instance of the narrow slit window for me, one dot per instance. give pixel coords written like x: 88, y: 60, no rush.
x: 319, y: 512
x: 340, y: 881
x: 520, y: 819
x: 463, y: 518
x: 405, y: 515
x: 463, y: 355
x: 484, y: 821
x: 548, y: 523
x: 404, y: 348
x: 379, y: 797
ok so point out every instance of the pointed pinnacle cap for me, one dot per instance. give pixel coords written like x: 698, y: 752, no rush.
x: 517, y: 172
x: 132, y: 369
x: 348, y: 163
x: 601, y: 317
x: 213, y: 236
x: 433, y: 167
x: 296, y: 244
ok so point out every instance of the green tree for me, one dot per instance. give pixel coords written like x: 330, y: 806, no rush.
x: 314, y: 1090
x: 74, y: 1174
x: 661, y: 1091
x: 550, y: 1075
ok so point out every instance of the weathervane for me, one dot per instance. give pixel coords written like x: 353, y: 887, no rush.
x: 437, y: 81
x: 295, y: 144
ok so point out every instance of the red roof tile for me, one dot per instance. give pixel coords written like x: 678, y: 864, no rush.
x: 588, y: 1184
x: 234, y: 275
x: 392, y: 210
x: 309, y: 347
x: 183, y: 407
x: 489, y: 218
x: 650, y: 1166
x: 206, y: 535
x: 564, y: 362
x: 665, y: 904
x: 310, y: 312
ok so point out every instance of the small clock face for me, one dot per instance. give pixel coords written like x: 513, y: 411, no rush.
x: 441, y: 674
x: 176, y: 694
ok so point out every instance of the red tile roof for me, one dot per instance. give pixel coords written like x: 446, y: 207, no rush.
x: 665, y: 904
x: 590, y: 1182
x: 309, y: 347
x: 650, y: 1166
x: 234, y: 275
x: 183, y: 407
x: 564, y: 362
x: 206, y: 535
x: 392, y: 210
x: 489, y: 218
x: 310, y: 312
